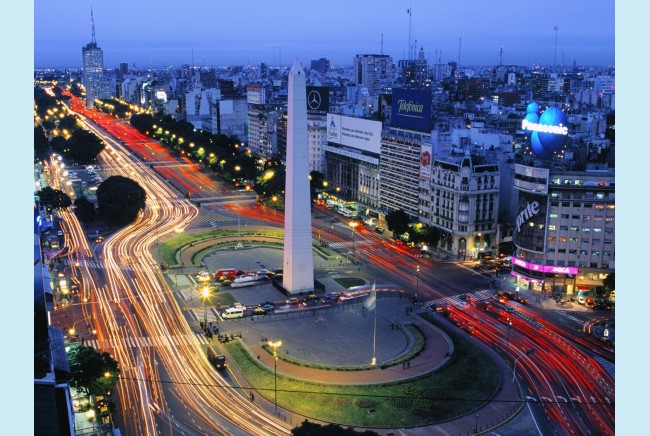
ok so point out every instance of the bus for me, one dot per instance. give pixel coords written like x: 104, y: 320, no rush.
x: 349, y: 213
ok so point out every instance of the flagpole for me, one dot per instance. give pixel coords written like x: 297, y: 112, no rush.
x: 374, y: 339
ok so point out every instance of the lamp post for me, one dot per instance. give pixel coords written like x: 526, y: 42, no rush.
x: 417, y: 281
x: 476, y: 425
x: 206, y: 293
x: 514, y: 365
x: 508, y: 341
x: 353, y: 225
x: 275, y: 346
x: 478, y: 245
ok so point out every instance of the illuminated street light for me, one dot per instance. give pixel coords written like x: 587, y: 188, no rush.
x: 353, y: 225
x: 206, y: 294
x: 509, y: 321
x: 417, y: 281
x: 275, y: 346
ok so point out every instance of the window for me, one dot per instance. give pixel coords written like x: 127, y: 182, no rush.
x: 552, y: 227
x: 561, y: 250
x: 595, y: 253
x: 609, y: 230
x: 607, y: 241
x: 583, y: 252
x: 573, y: 239
x: 584, y: 241
x: 566, y: 228
x: 587, y: 205
x: 562, y: 239
x: 586, y: 229
x: 586, y: 218
x: 575, y: 217
x: 607, y: 253
x: 552, y: 215
x: 600, y: 206
x: 550, y: 250
x: 611, y: 206
x: 609, y: 219
x: 598, y: 229
x: 551, y: 238
x: 554, y: 203
x: 566, y: 204
x: 600, y: 195
x: 565, y: 216
x: 573, y: 251
x: 574, y: 228
x: 555, y: 194
x: 595, y: 241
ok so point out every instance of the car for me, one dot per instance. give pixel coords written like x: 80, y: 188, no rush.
x: 293, y: 300
x: 312, y: 297
x: 379, y: 230
x: 332, y: 297
x: 99, y: 239
x: 266, y: 307
x: 258, y: 311
x: 59, y: 233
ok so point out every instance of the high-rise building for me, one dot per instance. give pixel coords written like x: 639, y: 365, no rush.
x: 321, y: 65
x: 124, y: 69
x: 93, y: 68
x: 373, y: 71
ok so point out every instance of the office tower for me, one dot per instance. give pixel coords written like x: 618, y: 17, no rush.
x: 298, y: 258
x: 93, y: 67
x: 373, y: 71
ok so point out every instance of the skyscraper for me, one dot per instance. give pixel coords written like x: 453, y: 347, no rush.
x: 298, y: 269
x: 93, y: 67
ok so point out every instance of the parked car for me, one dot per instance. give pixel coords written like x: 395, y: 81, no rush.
x: 331, y: 297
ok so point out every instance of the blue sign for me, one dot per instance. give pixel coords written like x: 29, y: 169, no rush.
x: 547, y: 130
x: 411, y: 109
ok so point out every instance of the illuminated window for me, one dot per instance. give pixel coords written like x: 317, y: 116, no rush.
x: 552, y: 227
x: 552, y: 215
x: 586, y: 229
x: 551, y: 238
x: 611, y: 206
x: 562, y: 239
x: 573, y: 239
x: 600, y: 206
x: 586, y: 218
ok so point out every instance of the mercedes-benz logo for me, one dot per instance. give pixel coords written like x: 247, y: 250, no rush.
x: 313, y: 100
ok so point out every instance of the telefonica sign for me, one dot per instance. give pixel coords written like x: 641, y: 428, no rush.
x: 411, y: 109
x: 547, y: 130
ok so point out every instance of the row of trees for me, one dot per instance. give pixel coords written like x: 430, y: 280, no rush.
x: 398, y: 223
x: 119, y: 200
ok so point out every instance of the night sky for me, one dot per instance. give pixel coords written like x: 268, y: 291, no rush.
x: 211, y: 32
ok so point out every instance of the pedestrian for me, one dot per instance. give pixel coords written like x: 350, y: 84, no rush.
x: 252, y: 397
x: 403, y: 365
x: 408, y: 364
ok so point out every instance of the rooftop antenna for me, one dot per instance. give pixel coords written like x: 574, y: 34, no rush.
x: 460, y: 44
x: 382, y: 42
x: 501, y: 56
x: 408, y: 11
x: 92, y: 23
x: 555, y: 55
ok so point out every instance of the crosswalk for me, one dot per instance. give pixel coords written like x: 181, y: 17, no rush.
x: 348, y: 244
x: 458, y: 300
x: 149, y: 341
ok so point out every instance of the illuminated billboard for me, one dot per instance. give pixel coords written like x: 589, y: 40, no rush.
x: 411, y: 109
x: 354, y: 132
x: 546, y: 130
x: 255, y: 94
x: 425, y: 162
x: 530, y: 224
x: 318, y: 100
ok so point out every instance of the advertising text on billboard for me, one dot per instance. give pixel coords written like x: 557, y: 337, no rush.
x: 411, y: 109
x: 530, y: 224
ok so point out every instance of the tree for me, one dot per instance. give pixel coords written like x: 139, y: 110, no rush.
x: 93, y: 372
x: 41, y: 144
x: 307, y: 428
x: 119, y: 200
x: 609, y: 282
x: 53, y: 198
x: 398, y: 222
x: 84, y: 210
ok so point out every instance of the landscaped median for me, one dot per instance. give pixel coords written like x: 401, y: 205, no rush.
x: 469, y: 380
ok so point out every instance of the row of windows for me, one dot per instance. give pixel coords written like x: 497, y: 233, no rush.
x: 583, y: 240
x: 582, y: 252
x: 589, y: 195
x: 598, y: 206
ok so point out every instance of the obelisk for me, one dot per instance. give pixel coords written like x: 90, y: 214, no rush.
x: 298, y: 270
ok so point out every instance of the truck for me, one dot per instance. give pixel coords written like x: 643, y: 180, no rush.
x: 225, y: 274
x: 217, y: 360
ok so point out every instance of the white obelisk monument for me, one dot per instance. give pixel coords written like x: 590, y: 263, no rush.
x: 298, y: 270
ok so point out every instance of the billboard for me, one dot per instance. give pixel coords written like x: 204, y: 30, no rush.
x: 530, y: 225
x: 554, y: 269
x: 354, y: 132
x: 411, y: 109
x: 255, y: 94
x: 425, y: 162
x: 318, y: 100
x: 546, y: 130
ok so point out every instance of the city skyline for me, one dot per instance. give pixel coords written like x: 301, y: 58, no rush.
x: 212, y: 34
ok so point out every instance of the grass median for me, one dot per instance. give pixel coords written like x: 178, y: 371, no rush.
x: 467, y: 382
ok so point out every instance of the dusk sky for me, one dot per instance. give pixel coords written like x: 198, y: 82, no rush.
x: 163, y: 33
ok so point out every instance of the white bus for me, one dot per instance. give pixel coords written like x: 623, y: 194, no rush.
x: 349, y: 213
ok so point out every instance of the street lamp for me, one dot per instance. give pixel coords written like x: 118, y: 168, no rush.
x: 353, y: 225
x: 275, y: 346
x: 206, y: 293
x: 509, y: 321
x: 417, y: 281
x: 514, y: 365
x: 478, y: 245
